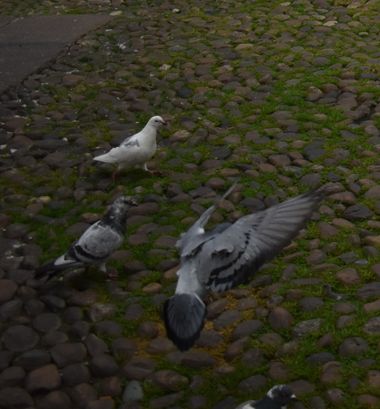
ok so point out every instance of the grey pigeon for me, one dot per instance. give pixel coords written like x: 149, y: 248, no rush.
x: 277, y: 397
x: 227, y: 256
x: 96, y: 244
x: 136, y: 150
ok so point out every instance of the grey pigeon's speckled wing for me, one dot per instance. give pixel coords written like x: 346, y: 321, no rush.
x: 97, y: 243
x: 230, y: 257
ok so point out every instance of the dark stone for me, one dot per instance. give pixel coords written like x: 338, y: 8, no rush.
x: 103, y: 403
x: 109, y: 328
x: 301, y: 387
x: 226, y: 403
x: 53, y: 338
x: 369, y: 291
x: 53, y: 303
x: 165, y: 401
x: 110, y: 386
x: 123, y: 348
x: 7, y: 290
x: 184, y: 92
x: 15, y: 398
x: 280, y: 318
x: 222, y: 152
x: 95, y: 345
x: 82, y: 394
x: 253, y: 383
x: 320, y: 358
x: 5, y: 359
x: 278, y: 372
x: 138, y: 368
x: 75, y: 374
x: 331, y: 373
x: 12, y: 376
x: 33, y: 359
x: 198, y: 359
x: 169, y: 380
x: 20, y: 338
x: 307, y: 327
x: 253, y: 204
x: 314, y: 150
x: 357, y: 212
x: 100, y: 311
x: 34, y: 307
x: 316, y: 402
x: 335, y: 396
x: 103, y: 365
x: 56, y: 400
x: 72, y: 314
x: 46, y: 322
x: 372, y: 326
x: 160, y: 345
x: 353, y: 346
x: 44, y: 378
x: 10, y: 309
x: 79, y: 330
x: 68, y: 353
x: 236, y: 348
x: 226, y: 318
x: 209, y: 339
x: 253, y: 358
x: 215, y: 308
x: 148, y: 329
x: 246, y: 328
x: 311, y: 303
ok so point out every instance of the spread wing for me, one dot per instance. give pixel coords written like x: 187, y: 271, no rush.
x: 229, y: 258
x: 196, y: 235
x: 97, y: 243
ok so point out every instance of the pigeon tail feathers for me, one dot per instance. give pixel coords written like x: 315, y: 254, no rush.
x: 184, y: 316
x: 53, y: 267
x: 105, y: 158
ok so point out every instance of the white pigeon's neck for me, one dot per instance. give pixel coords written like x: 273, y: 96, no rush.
x: 149, y: 133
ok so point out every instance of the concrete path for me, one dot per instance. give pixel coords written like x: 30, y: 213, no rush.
x: 27, y: 44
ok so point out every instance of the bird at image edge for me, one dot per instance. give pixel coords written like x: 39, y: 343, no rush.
x: 227, y: 256
x: 136, y: 150
x: 278, y: 397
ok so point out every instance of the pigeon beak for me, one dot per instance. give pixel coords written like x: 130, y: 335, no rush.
x: 293, y: 397
x: 164, y: 122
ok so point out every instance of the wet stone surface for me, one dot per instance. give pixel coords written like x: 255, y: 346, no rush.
x: 282, y: 107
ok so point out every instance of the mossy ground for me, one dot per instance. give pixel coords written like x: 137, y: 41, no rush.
x: 122, y: 65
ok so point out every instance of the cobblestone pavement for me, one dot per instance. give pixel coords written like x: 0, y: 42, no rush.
x: 283, y: 96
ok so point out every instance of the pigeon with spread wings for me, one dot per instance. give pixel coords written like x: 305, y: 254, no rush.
x: 96, y: 244
x: 227, y: 256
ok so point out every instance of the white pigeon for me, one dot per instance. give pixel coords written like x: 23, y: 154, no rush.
x: 277, y: 397
x: 96, y: 244
x: 136, y: 150
x: 227, y: 256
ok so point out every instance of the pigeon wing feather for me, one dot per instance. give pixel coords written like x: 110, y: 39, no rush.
x: 235, y: 254
x: 97, y: 243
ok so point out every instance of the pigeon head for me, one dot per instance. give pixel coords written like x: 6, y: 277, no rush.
x: 282, y: 395
x: 125, y: 202
x: 156, y: 121
x: 117, y: 213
